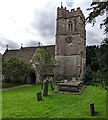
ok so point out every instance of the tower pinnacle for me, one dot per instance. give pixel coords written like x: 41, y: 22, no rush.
x: 6, y: 48
x: 61, y: 4
x: 21, y: 45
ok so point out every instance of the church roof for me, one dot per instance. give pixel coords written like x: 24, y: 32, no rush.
x: 26, y: 53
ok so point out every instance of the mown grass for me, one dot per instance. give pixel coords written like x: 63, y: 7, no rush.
x: 9, y: 84
x: 0, y: 104
x: 22, y: 103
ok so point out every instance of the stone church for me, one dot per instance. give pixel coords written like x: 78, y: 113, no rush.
x: 69, y: 50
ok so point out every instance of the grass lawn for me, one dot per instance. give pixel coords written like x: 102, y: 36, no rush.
x: 22, y: 103
x: 9, y: 84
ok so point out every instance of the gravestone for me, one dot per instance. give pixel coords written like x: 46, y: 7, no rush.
x: 45, y: 90
x: 39, y: 96
x: 92, y: 110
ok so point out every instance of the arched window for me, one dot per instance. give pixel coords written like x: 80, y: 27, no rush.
x: 70, y: 25
x: 75, y: 28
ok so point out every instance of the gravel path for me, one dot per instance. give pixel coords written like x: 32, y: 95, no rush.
x: 21, y: 86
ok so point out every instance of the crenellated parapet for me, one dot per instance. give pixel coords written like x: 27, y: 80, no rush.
x: 64, y: 13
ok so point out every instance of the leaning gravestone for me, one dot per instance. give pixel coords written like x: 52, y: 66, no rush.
x: 52, y: 86
x: 52, y: 83
x: 45, y: 90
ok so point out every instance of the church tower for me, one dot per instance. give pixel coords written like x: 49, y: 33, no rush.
x: 70, y: 48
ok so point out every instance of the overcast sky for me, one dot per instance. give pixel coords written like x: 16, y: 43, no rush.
x: 32, y: 21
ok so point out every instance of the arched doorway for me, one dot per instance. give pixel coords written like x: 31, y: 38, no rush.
x: 33, y: 77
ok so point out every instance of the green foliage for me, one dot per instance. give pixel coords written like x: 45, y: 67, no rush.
x: 91, y: 63
x: 98, y: 9
x: 45, y: 61
x: 104, y: 60
x: 91, y: 55
x: 97, y: 78
x: 22, y: 103
x: 97, y: 60
x: 15, y: 70
x: 100, y: 62
x: 88, y: 75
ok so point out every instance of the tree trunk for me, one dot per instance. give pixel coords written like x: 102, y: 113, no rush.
x: 39, y: 96
x: 45, y: 91
x: 42, y: 83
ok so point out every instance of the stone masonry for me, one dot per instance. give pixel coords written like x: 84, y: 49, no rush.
x: 70, y: 48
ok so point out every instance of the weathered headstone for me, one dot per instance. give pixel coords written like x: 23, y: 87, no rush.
x: 52, y: 83
x: 52, y: 86
x: 92, y: 111
x: 45, y: 91
x: 39, y: 96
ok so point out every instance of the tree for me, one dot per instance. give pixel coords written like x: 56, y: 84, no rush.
x: 15, y: 70
x: 88, y: 75
x: 98, y: 63
x: 44, y: 63
x: 91, y: 54
x: 98, y: 8
x: 104, y: 59
x: 44, y: 60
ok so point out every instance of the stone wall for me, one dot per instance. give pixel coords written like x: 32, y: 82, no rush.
x: 70, y: 48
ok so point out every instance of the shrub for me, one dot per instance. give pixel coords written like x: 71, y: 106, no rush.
x: 88, y: 75
x: 15, y: 70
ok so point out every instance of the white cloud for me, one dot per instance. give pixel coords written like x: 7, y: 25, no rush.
x: 17, y: 18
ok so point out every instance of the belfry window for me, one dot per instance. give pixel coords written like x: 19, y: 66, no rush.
x: 58, y: 50
x: 70, y: 25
